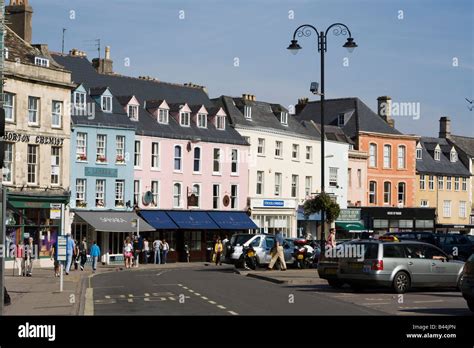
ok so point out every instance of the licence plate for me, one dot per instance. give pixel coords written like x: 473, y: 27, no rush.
x: 251, y: 254
x: 300, y: 257
x: 331, y: 271
x: 356, y: 265
x: 366, y: 269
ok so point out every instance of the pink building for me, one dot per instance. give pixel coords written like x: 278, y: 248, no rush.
x: 357, y: 177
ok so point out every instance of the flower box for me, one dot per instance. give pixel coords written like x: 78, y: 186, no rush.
x: 120, y: 159
x: 101, y: 158
x: 81, y: 204
x: 82, y: 157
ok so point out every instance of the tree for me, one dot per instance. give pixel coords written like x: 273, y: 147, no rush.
x: 322, y: 202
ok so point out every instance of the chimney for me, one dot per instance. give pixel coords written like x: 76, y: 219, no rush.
x: 249, y: 97
x: 444, y: 127
x: 77, y: 53
x: 302, y: 102
x: 105, y: 65
x: 384, y: 108
x: 18, y: 16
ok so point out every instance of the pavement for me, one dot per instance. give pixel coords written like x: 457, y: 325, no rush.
x: 290, y: 276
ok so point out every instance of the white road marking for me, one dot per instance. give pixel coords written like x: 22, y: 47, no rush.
x: 233, y: 313
x: 107, y: 301
x: 197, y: 294
x: 89, y: 305
x: 172, y: 298
x: 107, y: 296
x: 212, y: 302
x: 130, y: 295
x: 190, y: 290
x: 185, y: 287
x: 147, y: 294
x: 122, y: 296
x: 180, y: 284
x: 221, y: 307
x: 430, y: 301
x: 204, y: 298
x: 130, y: 300
x: 146, y: 299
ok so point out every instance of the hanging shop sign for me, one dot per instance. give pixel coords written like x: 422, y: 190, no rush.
x: 55, y: 211
x: 37, y: 139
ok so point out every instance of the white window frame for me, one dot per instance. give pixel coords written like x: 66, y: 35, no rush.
x: 106, y: 103
x: 132, y: 112
x: 82, y: 100
x: 437, y: 155
x: 81, y: 189
x: 220, y: 122
x: 284, y: 118
x: 424, y: 203
x: 419, y: 153
x: 402, y: 157
x: 261, y: 147
x: 464, y: 185
x: 35, y: 112
x: 309, y: 151
x: 202, y: 120
x: 403, y: 193
x: 178, y: 195
x: 260, y: 181
x: 56, y: 163
x: 9, y: 106
x: 453, y: 156
x: 40, y: 61
x: 119, y: 149
x: 178, y: 159
x: 449, y: 183
x: 447, y: 208
x: 295, y: 152
x: 333, y: 176
x: 431, y: 182
x: 119, y: 193
x: 100, y: 193
x: 278, y: 184
x: 81, y: 144
x: 197, y: 159
x: 308, y: 185
x: 440, y: 182
x: 197, y: 193
x: 136, y: 192
x: 163, y: 116
x: 456, y: 183
x: 216, y: 199
x: 373, y: 192
x: 422, y: 182
x: 216, y: 160
x: 387, y: 194
x: 462, y: 209
x: 185, y: 119
x: 32, y: 163
x: 56, y: 113
x: 387, y: 156
x: 155, y: 193
x: 137, y: 156
x: 373, y: 155
x: 9, y: 163
x: 234, y: 199
x: 234, y: 162
x: 248, y: 112
x: 294, y: 185
x: 155, y: 155
x: 278, y: 149
x: 101, y: 148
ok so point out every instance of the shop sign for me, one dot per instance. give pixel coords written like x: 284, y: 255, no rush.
x: 55, y: 211
x: 101, y: 172
x: 37, y: 139
x: 273, y: 203
x: 349, y: 215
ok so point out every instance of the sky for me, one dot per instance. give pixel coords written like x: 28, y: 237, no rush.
x: 420, y: 53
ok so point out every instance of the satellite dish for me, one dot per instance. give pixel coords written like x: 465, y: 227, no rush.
x: 147, y: 198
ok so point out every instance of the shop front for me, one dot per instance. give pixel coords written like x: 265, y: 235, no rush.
x: 109, y: 229
x: 454, y: 228
x: 308, y: 226
x: 388, y: 219
x: 37, y: 215
x: 274, y: 215
x: 349, y: 224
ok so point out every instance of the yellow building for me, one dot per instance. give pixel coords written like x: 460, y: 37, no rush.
x: 443, y: 182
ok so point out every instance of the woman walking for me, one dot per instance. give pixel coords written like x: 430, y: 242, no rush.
x: 166, y: 248
x: 218, y: 248
x: 127, y: 253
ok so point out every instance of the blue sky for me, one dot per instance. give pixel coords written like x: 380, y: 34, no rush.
x: 409, y: 59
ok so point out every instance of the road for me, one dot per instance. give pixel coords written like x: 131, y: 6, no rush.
x: 219, y: 291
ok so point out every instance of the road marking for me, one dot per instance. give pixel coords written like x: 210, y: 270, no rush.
x: 146, y: 299
x: 374, y: 304
x: 430, y: 301
x: 233, y: 313
x: 197, y: 294
x: 221, y: 307
x: 180, y: 284
x: 89, y: 305
x: 106, y: 301
x: 190, y: 290
x: 172, y: 298
x: 374, y: 299
x: 147, y: 294
x: 204, y: 298
x: 130, y: 300
x: 107, y: 296
x: 122, y: 296
x: 212, y: 302
x: 185, y: 287
x: 130, y: 295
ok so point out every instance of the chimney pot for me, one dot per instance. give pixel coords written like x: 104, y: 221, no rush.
x: 384, y: 109
x: 107, y: 52
x: 445, y: 127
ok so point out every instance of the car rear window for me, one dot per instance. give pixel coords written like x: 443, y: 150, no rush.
x: 371, y: 250
x: 393, y: 251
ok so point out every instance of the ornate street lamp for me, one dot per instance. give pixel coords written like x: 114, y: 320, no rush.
x: 306, y: 30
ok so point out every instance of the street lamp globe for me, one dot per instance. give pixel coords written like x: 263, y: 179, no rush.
x: 294, y: 47
x: 350, y: 44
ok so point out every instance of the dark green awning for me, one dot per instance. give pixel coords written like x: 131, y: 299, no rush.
x: 354, y: 226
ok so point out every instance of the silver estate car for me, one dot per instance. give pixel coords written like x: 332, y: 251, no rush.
x: 400, y: 265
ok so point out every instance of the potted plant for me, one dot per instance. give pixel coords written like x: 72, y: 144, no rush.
x: 82, y: 157
x: 101, y: 158
x: 81, y: 204
x: 120, y: 159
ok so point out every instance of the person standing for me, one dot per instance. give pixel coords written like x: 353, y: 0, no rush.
x: 136, y: 250
x: 331, y: 240
x: 278, y: 253
x: 76, y: 255
x: 54, y: 257
x: 83, y: 252
x: 146, y: 251
x: 157, y: 249
x: 127, y: 253
x: 70, y: 247
x: 95, y: 254
x: 19, y: 257
x: 225, y: 243
x: 218, y: 248
x: 166, y: 248
x: 28, y: 256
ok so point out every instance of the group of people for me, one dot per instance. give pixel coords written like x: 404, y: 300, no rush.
x: 76, y: 252
x: 24, y: 256
x: 135, y: 248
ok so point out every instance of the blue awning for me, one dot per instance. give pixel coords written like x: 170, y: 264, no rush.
x: 235, y: 220
x: 192, y: 220
x: 158, y: 219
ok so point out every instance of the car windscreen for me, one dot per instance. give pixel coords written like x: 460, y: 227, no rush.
x: 240, y: 239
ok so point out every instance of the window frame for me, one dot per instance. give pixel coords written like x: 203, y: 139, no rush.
x: 137, y: 156
x: 155, y: 156
x: 11, y: 97
x: 83, y: 192
x: 106, y: 103
x: 101, y: 193
x: 373, y: 157
x: 119, y: 193
x: 294, y: 185
x: 9, y: 162
x: 260, y: 182
x: 261, y: 145
x: 373, y: 193
x: 198, y: 159
x: 31, y: 164
x: 216, y: 199
x: 387, y: 195
x: 184, y: 119
x: 278, y: 184
x: 200, y: 118
x: 216, y: 161
x: 403, y: 157
x: 35, y: 111
x: 57, y: 165
x: 278, y: 149
x: 178, y: 195
x: 178, y: 159
x: 163, y: 116
x: 389, y: 148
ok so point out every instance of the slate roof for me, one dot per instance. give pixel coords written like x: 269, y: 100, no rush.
x: 466, y: 144
x: 151, y: 91
x: 332, y: 133
x: 444, y: 166
x: 264, y: 115
x: 358, y: 116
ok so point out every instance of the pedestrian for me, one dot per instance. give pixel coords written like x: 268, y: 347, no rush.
x: 136, y: 250
x: 277, y: 253
x: 146, y: 251
x: 218, y: 248
x: 166, y: 248
x: 127, y: 252
x: 225, y: 244
x: 28, y: 257
x: 76, y: 255
x: 157, y: 249
x: 70, y: 247
x: 95, y: 254
x: 331, y: 240
x: 83, y: 252
x: 19, y: 259
x: 54, y: 257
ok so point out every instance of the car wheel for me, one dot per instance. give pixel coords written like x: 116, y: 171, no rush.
x: 401, y: 282
x: 335, y: 283
x: 470, y: 304
x: 357, y: 287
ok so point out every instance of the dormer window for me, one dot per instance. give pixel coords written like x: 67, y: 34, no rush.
x: 419, y: 152
x: 79, y: 100
x: 163, y: 115
x: 184, y: 119
x: 284, y: 118
x: 340, y: 120
x: 437, y: 154
x: 42, y: 62
x: 106, y: 103
x: 202, y: 120
x: 454, y: 156
x: 220, y: 122
x: 248, y: 112
x: 132, y: 112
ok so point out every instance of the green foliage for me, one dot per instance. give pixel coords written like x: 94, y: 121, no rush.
x: 322, y: 202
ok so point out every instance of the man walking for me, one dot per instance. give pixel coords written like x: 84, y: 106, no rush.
x: 83, y: 252
x: 157, y: 250
x: 95, y: 254
x: 70, y: 245
x: 29, y: 255
x: 146, y: 251
x: 166, y: 248
x: 278, y: 253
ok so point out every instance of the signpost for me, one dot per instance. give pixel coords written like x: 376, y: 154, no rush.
x: 61, y: 252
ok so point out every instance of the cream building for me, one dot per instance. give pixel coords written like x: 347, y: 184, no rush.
x: 36, y: 142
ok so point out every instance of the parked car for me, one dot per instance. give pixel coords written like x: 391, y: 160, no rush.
x: 327, y: 267
x: 467, y: 283
x: 261, y: 243
x: 460, y: 246
x: 400, y: 265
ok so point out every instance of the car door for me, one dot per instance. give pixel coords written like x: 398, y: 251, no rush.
x: 442, y: 272
x: 269, y: 242
x: 418, y: 266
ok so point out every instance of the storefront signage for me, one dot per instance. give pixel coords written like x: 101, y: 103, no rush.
x: 37, y: 139
x: 61, y: 245
x: 55, y: 211
x: 101, y: 172
x: 394, y: 213
x: 114, y: 220
x: 273, y: 203
x: 349, y: 215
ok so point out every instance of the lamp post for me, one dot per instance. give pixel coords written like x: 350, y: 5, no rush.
x: 306, y: 30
